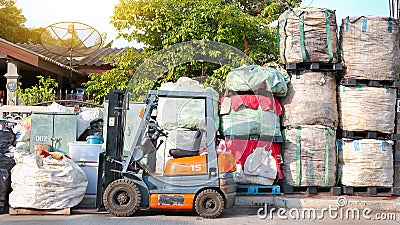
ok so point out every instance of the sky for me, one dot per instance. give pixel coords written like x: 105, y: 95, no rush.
x: 97, y: 13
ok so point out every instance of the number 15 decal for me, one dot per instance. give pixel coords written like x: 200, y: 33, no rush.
x: 196, y: 167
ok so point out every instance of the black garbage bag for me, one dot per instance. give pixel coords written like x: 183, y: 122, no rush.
x: 6, y: 164
x: 7, y: 138
x: 4, y: 190
x: 95, y: 129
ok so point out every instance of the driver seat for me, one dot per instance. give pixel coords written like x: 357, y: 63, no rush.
x: 179, y: 153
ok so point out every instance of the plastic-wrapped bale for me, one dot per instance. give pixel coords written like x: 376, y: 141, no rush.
x: 260, y: 168
x: 367, y: 108
x: 57, y: 184
x: 173, y: 113
x: 370, y: 47
x: 263, y: 120
x: 242, y: 149
x: 308, y: 35
x: 253, y: 78
x: 366, y: 162
x: 311, y: 100
x: 310, y: 157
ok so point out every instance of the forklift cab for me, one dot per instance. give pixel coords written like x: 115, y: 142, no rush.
x: 190, y: 181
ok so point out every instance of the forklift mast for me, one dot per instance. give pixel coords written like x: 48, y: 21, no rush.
x: 108, y: 161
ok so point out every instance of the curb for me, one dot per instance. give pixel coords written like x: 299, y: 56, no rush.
x: 376, y: 204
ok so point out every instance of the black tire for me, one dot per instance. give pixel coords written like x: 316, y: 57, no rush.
x: 122, y: 198
x: 209, y: 204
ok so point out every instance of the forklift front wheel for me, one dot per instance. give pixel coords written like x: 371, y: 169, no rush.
x: 122, y: 198
x: 209, y: 204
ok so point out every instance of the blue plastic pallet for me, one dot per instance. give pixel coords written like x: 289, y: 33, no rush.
x: 256, y: 189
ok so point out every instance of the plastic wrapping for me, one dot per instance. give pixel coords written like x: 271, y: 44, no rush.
x: 366, y: 162
x: 259, y: 168
x: 246, y: 121
x: 254, y: 77
x: 57, y: 184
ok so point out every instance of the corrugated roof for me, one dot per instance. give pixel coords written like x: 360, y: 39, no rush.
x: 90, y: 60
x: 42, y: 56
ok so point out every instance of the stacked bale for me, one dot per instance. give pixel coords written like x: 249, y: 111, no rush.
x: 311, y: 100
x: 370, y: 48
x: 250, y: 120
x: 308, y: 35
x: 366, y: 162
x: 310, y: 156
x: 310, y: 120
x: 366, y: 108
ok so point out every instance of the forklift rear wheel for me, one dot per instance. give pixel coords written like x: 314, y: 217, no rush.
x: 122, y: 198
x: 209, y: 204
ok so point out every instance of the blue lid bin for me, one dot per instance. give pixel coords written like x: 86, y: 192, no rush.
x: 95, y: 140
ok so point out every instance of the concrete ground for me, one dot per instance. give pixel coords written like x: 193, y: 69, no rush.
x: 291, y: 210
x: 236, y: 215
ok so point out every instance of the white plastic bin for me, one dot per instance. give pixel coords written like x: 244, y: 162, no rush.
x: 80, y: 151
x: 91, y: 170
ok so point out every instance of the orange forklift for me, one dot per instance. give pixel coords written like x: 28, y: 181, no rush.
x: 190, y: 181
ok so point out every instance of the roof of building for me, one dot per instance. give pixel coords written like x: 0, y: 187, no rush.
x: 89, y: 60
x: 44, y: 57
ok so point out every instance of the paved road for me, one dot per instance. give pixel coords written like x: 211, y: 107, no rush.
x: 234, y: 216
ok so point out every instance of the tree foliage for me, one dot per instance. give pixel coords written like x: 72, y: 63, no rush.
x: 117, y: 78
x: 41, y: 92
x: 243, y: 24
x: 12, y: 24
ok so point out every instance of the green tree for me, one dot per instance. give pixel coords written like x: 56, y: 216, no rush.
x: 12, y: 24
x: 117, y: 78
x: 42, y: 92
x: 240, y: 23
x: 162, y: 23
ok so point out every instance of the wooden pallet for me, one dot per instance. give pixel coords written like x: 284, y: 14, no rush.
x: 368, y: 135
x: 258, y: 189
x: 348, y: 190
x: 312, y: 190
x: 351, y: 82
x: 315, y: 66
x: 26, y: 211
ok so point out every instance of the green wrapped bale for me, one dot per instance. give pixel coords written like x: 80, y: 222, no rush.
x: 246, y: 121
x: 254, y: 77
